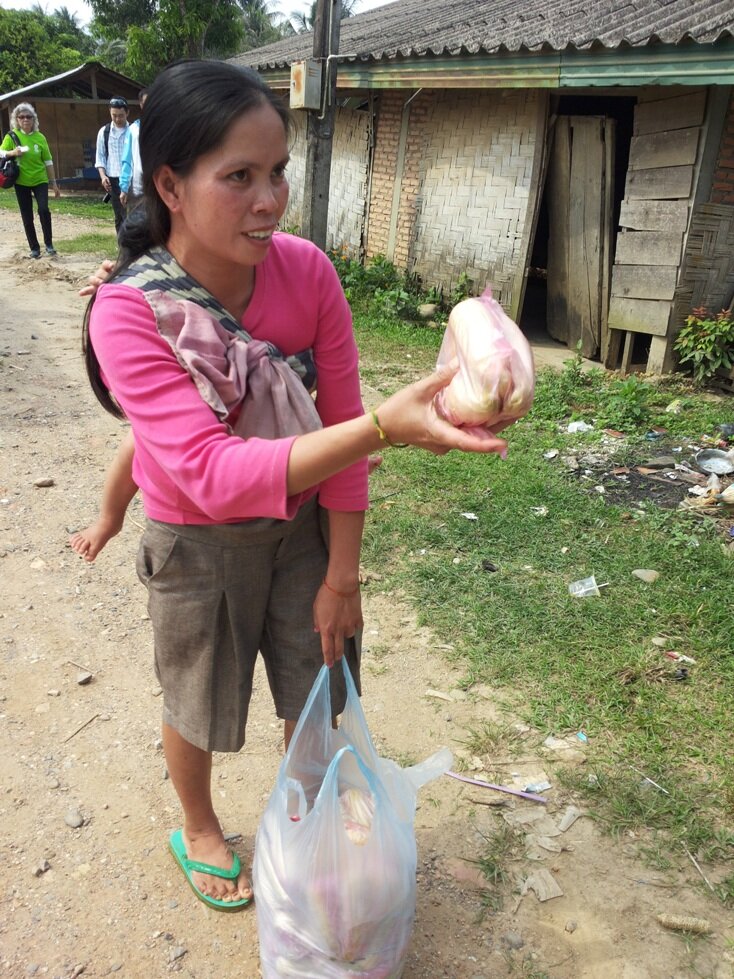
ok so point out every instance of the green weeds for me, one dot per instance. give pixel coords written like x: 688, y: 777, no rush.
x: 579, y: 664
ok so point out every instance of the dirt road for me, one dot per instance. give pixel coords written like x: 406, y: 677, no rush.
x: 104, y: 897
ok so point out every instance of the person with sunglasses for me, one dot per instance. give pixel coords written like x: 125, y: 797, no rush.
x: 111, y: 140
x: 36, y: 168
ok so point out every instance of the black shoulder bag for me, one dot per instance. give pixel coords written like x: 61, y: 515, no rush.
x: 9, y: 169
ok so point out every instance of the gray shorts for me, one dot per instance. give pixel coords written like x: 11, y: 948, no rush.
x: 218, y: 594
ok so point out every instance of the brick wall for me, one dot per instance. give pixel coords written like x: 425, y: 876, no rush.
x: 384, y: 162
x: 722, y: 191
x: 464, y: 188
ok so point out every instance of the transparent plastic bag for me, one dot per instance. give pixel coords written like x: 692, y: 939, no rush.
x: 334, y: 872
x: 495, y: 382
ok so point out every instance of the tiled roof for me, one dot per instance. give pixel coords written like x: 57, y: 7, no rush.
x: 411, y: 28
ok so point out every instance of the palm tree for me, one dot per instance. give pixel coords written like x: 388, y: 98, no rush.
x: 66, y: 21
x: 260, y: 22
x: 112, y: 54
x: 304, y: 21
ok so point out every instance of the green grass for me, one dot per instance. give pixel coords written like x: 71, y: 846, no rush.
x: 97, y: 243
x: 101, y: 243
x: 81, y: 205
x: 578, y: 664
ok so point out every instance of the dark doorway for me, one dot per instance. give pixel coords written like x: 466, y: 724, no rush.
x: 619, y: 109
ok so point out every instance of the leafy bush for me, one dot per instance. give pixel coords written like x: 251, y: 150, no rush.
x: 706, y: 342
x: 626, y: 404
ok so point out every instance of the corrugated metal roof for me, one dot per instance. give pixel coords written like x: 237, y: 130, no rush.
x: 69, y: 76
x: 411, y: 28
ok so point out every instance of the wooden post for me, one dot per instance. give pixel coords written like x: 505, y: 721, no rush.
x: 320, y: 131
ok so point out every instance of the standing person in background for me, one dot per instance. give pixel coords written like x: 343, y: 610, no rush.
x: 131, y: 169
x: 36, y: 170
x: 110, y: 142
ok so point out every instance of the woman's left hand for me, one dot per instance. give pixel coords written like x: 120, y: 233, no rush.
x: 57, y: 190
x: 336, y: 619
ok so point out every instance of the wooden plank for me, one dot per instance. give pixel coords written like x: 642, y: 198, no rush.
x: 639, y: 315
x: 607, y: 257
x: 652, y: 94
x: 654, y: 215
x: 559, y: 184
x: 543, y: 141
x: 666, y: 114
x: 611, y: 353
x: 629, y: 344
x: 644, y: 281
x: 660, y: 359
x: 659, y: 183
x: 671, y: 149
x: 584, y: 253
x: 648, y: 248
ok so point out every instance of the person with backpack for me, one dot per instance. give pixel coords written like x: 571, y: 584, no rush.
x: 36, y: 169
x: 131, y: 169
x: 110, y: 144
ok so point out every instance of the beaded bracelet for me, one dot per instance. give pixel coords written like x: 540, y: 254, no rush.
x: 383, y: 434
x: 341, y: 594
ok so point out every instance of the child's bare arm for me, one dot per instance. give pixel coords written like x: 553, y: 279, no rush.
x: 119, y: 487
x: 118, y: 490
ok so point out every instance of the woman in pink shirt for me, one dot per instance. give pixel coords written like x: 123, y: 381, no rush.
x: 203, y: 339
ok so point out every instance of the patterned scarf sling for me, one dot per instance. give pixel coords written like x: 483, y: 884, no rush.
x: 238, y: 377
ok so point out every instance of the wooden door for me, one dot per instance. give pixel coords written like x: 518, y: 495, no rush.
x: 580, y: 194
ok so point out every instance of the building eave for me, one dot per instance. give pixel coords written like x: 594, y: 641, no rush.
x: 689, y: 64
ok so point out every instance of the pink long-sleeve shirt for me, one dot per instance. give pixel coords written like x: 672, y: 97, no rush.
x: 189, y: 468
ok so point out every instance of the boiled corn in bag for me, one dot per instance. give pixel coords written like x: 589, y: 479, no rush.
x: 334, y: 872
x: 495, y: 382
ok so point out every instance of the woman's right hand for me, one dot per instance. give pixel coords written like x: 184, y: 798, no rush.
x: 410, y: 417
x: 98, y: 278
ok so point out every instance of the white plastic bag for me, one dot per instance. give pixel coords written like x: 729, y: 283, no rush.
x: 495, y: 382
x: 334, y: 872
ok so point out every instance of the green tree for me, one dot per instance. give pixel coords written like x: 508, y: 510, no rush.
x: 157, y: 32
x: 33, y: 49
x: 260, y: 22
x: 112, y: 53
x: 112, y: 18
x: 304, y: 21
x: 65, y: 28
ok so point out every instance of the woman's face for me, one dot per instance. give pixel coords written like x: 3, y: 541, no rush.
x: 25, y: 121
x: 227, y: 208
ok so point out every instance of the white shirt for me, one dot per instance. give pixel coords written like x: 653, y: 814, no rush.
x: 111, y: 161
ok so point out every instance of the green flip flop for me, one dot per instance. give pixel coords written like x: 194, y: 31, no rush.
x: 178, y: 849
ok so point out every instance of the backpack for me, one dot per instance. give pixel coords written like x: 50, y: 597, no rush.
x: 9, y: 169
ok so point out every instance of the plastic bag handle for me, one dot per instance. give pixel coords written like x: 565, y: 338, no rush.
x: 321, y: 689
x: 373, y: 782
x: 328, y: 795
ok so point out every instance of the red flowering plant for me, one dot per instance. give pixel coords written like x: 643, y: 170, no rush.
x: 706, y: 343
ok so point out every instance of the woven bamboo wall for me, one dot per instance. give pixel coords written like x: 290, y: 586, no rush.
x: 708, y: 268
x: 477, y: 163
x: 348, y: 193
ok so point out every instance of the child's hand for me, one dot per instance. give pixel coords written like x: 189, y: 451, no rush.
x: 98, y: 278
x: 373, y: 462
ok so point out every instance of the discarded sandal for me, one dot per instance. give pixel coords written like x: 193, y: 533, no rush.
x: 178, y: 849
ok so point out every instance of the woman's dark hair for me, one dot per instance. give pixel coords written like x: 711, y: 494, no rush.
x: 190, y: 108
